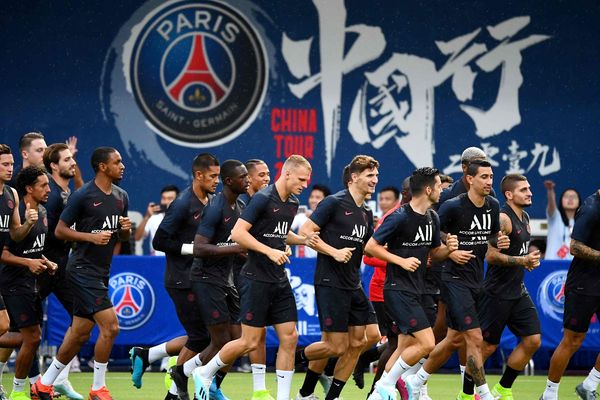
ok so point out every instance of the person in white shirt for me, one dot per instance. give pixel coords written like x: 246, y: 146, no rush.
x: 154, y: 216
x: 317, y: 193
x: 561, y: 219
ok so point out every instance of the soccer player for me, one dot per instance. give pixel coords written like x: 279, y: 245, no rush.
x: 99, y: 208
x: 175, y: 237
x: 259, y: 178
x: 412, y: 234
x: 506, y: 301
x: 345, y: 223
x: 474, y: 218
x: 582, y: 299
x: 22, y: 262
x: 266, y: 294
x: 212, y: 272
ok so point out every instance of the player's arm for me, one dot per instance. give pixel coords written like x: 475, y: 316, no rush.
x: 241, y: 235
x: 581, y: 250
x: 294, y: 239
x: 17, y: 230
x: 443, y: 251
x: 164, y: 238
x: 36, y: 266
x: 376, y: 249
x: 203, y: 248
x: 340, y: 255
x: 587, y: 222
x: 499, y: 240
x: 64, y: 232
x: 496, y: 257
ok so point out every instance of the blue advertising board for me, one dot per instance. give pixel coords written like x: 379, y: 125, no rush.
x: 410, y: 82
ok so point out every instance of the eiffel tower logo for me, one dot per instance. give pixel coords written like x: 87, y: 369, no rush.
x: 197, y: 71
x: 127, y: 306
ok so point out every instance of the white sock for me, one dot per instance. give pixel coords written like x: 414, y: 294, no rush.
x: 157, y: 352
x: 591, y: 382
x: 258, y: 376
x: 284, y: 384
x: 413, y: 370
x: 462, y: 373
x: 34, y: 379
x: 399, y: 367
x: 209, y: 370
x: 551, y: 391
x: 64, y: 374
x: 190, y: 365
x: 424, y: 389
x: 99, y: 375
x: 52, y: 372
x: 19, y: 384
x: 422, y: 377
x: 173, y: 388
x: 483, y: 390
x: 2, y: 364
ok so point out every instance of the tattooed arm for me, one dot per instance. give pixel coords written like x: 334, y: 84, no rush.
x: 580, y: 250
x: 494, y: 256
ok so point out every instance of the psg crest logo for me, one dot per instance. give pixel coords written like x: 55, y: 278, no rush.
x: 133, y: 299
x: 551, y: 295
x: 198, y: 72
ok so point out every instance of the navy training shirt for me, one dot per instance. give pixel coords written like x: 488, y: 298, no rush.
x: 56, y: 250
x: 7, y: 207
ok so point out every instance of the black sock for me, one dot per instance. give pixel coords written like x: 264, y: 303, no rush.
x: 34, y: 370
x: 468, y: 384
x: 219, y: 376
x: 368, y: 357
x: 300, y: 357
x: 335, y: 390
x: 310, y: 382
x: 508, y: 378
x: 330, y: 366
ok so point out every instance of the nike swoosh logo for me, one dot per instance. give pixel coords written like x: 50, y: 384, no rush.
x: 519, y: 232
x: 276, y: 209
x: 97, y: 204
x: 280, y: 376
x: 348, y: 213
x: 196, y: 216
x: 487, y: 211
x: 227, y: 219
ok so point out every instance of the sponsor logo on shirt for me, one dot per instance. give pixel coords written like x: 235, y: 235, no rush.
x: 357, y: 235
x: 281, y: 230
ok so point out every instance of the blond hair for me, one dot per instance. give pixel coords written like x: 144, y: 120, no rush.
x: 294, y: 161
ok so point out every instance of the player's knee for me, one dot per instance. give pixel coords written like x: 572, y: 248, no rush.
x: 4, y: 326
x: 358, y: 342
x: 427, y: 345
x: 32, y: 338
x: 573, y: 340
x: 532, y: 343
x: 373, y: 338
x: 110, y: 330
x: 289, y: 339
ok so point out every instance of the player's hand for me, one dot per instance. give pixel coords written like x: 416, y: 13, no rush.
x: 410, y: 264
x: 50, y: 265
x: 125, y: 223
x: 241, y: 252
x: 152, y: 209
x: 288, y: 250
x: 461, y: 256
x: 278, y: 257
x: 72, y: 143
x: 311, y: 239
x: 36, y: 265
x: 549, y: 185
x: 31, y: 214
x: 343, y: 255
x: 451, y: 242
x: 101, y: 238
x: 503, y: 241
x: 532, y: 260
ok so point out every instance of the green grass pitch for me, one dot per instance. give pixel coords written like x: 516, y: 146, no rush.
x: 238, y: 386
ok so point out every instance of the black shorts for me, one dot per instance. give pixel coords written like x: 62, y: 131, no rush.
x: 188, y: 313
x: 91, y: 294
x: 340, y: 308
x: 59, y: 285
x: 579, y: 310
x: 218, y: 304
x: 429, y: 302
x: 519, y: 315
x: 24, y: 310
x: 383, y: 320
x: 405, y: 311
x: 266, y: 303
x: 462, y: 303
x: 2, y: 304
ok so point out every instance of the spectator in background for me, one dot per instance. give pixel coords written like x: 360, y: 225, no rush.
x: 317, y: 193
x: 447, y: 180
x: 561, y: 219
x: 387, y: 199
x: 154, y: 216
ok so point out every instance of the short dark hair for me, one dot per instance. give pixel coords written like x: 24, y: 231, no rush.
x: 228, y: 168
x: 26, y: 139
x: 101, y: 155
x: 446, y: 178
x: 561, y: 209
x: 474, y: 166
x: 362, y: 162
x: 391, y: 189
x: 204, y: 161
x: 346, y: 176
x: 509, y: 182
x: 5, y: 149
x: 421, y: 178
x: 52, y: 154
x: 170, y: 188
x: 321, y: 188
x: 252, y: 163
x: 27, y: 177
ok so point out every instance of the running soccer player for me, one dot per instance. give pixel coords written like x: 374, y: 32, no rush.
x: 266, y: 294
x: 412, y: 234
x: 212, y: 272
x: 175, y: 237
x: 582, y: 299
x: 474, y: 218
x: 22, y: 262
x: 99, y: 208
x: 506, y: 301
x: 345, y: 223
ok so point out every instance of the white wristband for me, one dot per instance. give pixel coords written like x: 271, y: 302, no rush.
x: 187, y: 249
